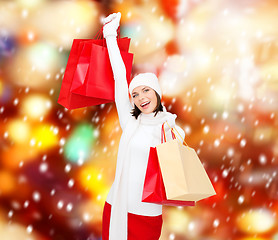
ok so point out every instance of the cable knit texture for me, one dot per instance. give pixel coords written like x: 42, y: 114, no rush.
x: 137, y: 137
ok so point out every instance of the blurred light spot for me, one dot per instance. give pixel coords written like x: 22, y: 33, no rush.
x: 206, y: 129
x: 70, y: 183
x: 29, y: 229
x: 16, y: 101
x: 26, y: 204
x: 240, y: 199
x: 243, y: 142
x: 225, y: 173
x: 79, y: 145
x: 87, y: 217
x: 10, y: 213
x: 7, y: 183
x: 216, y: 223
x: 19, y: 131
x: 262, y: 159
x: 36, y: 106
x: 44, y: 137
x: 230, y: 152
x: 256, y: 221
x: 225, y: 115
x: 172, y: 236
x: 43, y: 167
x: 36, y: 196
x: 191, y: 226
x: 60, y: 204
x: 69, y: 207
x: 216, y: 143
x: 67, y: 168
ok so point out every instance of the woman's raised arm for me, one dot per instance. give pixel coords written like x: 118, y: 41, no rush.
x: 118, y: 67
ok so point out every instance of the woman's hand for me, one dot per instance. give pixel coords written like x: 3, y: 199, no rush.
x: 111, y: 24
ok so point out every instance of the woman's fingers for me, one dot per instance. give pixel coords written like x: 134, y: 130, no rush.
x: 109, y: 18
x: 118, y: 16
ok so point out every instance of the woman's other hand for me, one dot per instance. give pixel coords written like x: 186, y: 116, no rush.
x: 111, y: 24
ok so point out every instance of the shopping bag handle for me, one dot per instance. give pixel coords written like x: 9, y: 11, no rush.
x: 175, y: 136
x: 99, y: 34
x: 163, y: 134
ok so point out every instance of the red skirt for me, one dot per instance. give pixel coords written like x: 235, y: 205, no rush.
x: 139, y: 227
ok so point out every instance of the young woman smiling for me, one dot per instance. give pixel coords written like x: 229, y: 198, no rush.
x: 147, y: 100
x: 125, y: 216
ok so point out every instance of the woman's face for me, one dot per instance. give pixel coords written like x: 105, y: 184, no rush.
x: 144, y: 98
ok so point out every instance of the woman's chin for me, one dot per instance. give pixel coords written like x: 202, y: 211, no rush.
x: 147, y: 111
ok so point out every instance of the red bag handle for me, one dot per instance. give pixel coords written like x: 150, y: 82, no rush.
x: 99, y: 34
x: 163, y: 134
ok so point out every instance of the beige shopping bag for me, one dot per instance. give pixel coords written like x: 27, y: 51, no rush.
x: 183, y: 173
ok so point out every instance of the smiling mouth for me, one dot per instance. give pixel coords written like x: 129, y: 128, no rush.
x: 144, y: 105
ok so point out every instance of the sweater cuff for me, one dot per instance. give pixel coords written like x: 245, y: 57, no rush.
x: 109, y: 32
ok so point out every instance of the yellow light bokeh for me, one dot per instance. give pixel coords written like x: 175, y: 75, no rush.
x: 69, y: 19
x: 177, y: 221
x: 30, y: 3
x: 19, y: 131
x: 256, y: 221
x: 44, y: 137
x: 36, y: 65
x: 36, y: 106
x: 14, y: 231
x: 92, y: 180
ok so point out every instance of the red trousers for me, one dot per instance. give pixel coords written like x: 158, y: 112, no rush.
x: 139, y: 227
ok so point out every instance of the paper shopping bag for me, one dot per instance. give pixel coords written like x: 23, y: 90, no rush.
x: 73, y: 79
x: 183, y: 174
x: 96, y: 78
x: 154, y: 190
x: 66, y: 98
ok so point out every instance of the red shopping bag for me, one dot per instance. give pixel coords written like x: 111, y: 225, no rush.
x: 81, y: 54
x: 154, y: 189
x: 96, y: 79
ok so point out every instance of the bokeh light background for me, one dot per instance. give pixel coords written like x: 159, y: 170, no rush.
x: 217, y: 62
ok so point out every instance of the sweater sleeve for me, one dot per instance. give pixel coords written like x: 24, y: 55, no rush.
x: 123, y: 104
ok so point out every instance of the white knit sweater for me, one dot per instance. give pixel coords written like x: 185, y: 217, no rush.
x: 138, y: 136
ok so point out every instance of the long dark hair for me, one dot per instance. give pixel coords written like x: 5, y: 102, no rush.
x: 136, y: 111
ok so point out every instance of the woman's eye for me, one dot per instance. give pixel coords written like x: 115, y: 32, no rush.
x: 146, y: 90
x: 134, y: 95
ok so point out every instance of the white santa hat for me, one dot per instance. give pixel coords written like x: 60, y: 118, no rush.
x: 145, y: 79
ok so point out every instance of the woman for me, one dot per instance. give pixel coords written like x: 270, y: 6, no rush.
x: 125, y: 216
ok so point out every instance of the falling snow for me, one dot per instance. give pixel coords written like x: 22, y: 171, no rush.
x: 240, y: 199
x: 225, y: 173
x: 243, y: 143
x: 70, y: 183
x: 29, y: 229
x: 43, y: 167
x: 262, y: 159
x: 234, y: 138
x: 60, y: 204
x: 216, y: 223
